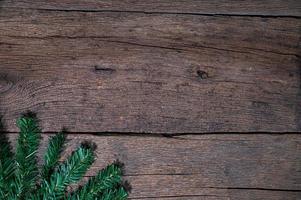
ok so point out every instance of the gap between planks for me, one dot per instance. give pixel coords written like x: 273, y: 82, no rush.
x: 160, y: 13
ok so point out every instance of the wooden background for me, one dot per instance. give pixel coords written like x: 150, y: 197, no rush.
x: 201, y: 99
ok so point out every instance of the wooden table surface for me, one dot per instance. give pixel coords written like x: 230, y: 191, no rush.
x: 201, y: 99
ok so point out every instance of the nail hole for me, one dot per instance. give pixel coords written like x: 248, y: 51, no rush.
x: 202, y: 74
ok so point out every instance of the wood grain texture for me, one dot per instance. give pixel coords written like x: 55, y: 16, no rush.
x: 228, y: 7
x: 201, y: 167
x: 156, y: 73
x: 137, y: 70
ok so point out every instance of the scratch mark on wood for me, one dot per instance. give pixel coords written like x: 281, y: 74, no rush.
x: 104, y: 70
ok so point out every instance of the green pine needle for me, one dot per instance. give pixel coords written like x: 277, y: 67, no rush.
x: 7, y: 164
x: 20, y: 178
x: 116, y: 194
x: 52, y: 154
x: 108, y: 178
x: 26, y: 159
x: 69, y: 172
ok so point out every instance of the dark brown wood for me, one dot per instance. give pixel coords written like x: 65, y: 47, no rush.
x: 246, y: 7
x: 201, y: 166
x: 170, y: 67
x: 156, y: 73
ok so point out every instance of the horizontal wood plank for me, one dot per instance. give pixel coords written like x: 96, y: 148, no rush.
x: 229, y: 7
x: 174, y: 67
x: 201, y: 166
x: 133, y: 72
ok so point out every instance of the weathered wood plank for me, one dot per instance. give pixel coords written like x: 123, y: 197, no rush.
x: 231, y: 7
x: 202, y: 166
x: 132, y: 72
x: 238, y: 34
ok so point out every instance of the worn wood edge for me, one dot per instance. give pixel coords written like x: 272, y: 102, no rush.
x: 247, y: 8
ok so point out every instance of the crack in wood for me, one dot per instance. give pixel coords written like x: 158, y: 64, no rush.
x: 177, y: 196
x: 256, y: 188
x: 179, y: 50
x: 159, y: 12
x: 298, y: 107
x: 173, y: 136
x: 104, y: 70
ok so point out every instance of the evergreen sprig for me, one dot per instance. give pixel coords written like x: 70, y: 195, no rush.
x: 20, y: 178
x: 26, y: 159
x: 7, y: 164
x: 108, y: 178
x: 52, y: 155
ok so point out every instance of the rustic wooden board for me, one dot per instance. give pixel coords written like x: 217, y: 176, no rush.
x: 156, y: 73
x: 164, y: 67
x: 201, y: 166
x: 232, y: 7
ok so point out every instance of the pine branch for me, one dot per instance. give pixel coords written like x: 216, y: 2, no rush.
x: 116, y: 194
x: 19, y: 172
x: 69, y: 172
x: 7, y: 164
x: 52, y: 154
x: 106, y: 179
x: 26, y: 160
